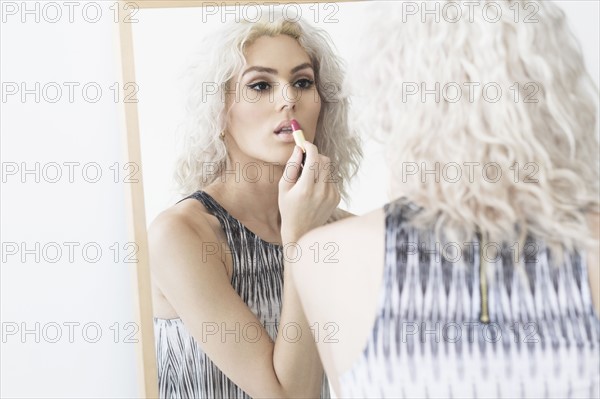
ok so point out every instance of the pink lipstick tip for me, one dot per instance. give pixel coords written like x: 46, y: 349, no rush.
x: 295, y: 125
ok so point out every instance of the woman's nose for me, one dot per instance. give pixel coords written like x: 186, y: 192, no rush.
x: 288, y: 107
x: 288, y: 97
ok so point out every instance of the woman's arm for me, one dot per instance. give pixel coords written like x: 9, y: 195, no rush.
x: 338, y: 280
x: 296, y: 356
x: 194, y: 280
x: 197, y: 286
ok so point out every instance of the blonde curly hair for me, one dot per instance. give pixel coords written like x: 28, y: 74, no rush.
x: 219, y: 58
x: 549, y: 137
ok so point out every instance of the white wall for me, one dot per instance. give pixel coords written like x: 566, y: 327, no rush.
x: 63, y: 359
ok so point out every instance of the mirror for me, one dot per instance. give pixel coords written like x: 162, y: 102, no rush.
x: 164, y: 36
x: 161, y: 55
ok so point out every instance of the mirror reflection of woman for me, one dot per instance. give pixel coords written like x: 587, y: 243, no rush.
x: 226, y: 325
x: 440, y: 312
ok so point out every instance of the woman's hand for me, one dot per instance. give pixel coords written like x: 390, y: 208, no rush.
x: 307, y: 197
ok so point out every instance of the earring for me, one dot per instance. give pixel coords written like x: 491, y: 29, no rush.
x: 222, y: 135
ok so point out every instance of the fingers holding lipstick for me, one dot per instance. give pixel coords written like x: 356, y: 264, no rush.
x: 311, y: 160
x: 309, y: 200
x: 293, y: 168
x: 314, y: 164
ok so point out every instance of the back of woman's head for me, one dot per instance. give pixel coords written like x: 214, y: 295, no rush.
x: 220, y: 57
x: 513, y: 98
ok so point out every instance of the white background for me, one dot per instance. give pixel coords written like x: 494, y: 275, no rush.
x: 80, y: 291
x: 82, y: 212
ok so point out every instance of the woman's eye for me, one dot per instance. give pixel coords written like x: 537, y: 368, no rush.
x: 259, y: 86
x: 304, y: 83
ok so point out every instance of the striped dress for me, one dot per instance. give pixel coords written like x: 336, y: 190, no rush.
x: 431, y: 339
x: 184, y: 370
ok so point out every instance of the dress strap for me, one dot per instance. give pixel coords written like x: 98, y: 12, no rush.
x: 212, y: 206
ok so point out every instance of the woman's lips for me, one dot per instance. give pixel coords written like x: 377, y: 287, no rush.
x: 283, y: 132
x: 285, y: 136
x: 284, y: 125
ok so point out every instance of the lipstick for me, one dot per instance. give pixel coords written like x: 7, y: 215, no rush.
x: 298, y: 137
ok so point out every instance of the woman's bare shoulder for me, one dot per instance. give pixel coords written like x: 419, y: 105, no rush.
x: 347, y: 222
x: 183, y: 215
x: 350, y: 237
x: 183, y: 236
x: 339, y: 214
x: 186, y: 219
x: 340, y: 260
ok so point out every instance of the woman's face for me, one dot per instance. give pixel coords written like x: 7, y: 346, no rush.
x: 277, y: 84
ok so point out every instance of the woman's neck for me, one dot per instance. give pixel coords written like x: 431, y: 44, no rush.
x: 249, y: 198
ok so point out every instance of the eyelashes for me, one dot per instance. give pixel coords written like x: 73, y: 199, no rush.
x: 259, y: 86
x: 306, y: 83
x: 302, y: 84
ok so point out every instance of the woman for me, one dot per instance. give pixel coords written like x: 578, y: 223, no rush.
x: 217, y: 255
x: 469, y: 283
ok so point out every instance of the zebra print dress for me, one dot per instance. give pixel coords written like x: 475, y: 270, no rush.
x: 184, y: 370
x: 540, y: 336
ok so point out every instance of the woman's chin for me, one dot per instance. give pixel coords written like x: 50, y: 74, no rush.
x: 279, y: 157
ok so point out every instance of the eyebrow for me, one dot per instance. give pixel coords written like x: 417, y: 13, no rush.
x: 274, y: 71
